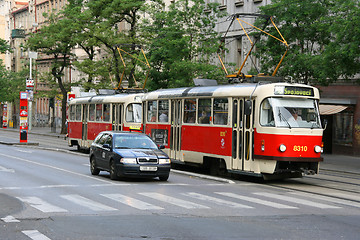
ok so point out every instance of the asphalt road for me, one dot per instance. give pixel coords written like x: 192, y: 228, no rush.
x: 47, y: 194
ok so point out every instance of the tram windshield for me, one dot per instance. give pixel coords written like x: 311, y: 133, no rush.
x: 289, y: 112
x: 134, y: 113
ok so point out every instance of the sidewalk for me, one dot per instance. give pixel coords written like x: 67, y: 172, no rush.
x: 46, y: 131
x: 331, y: 161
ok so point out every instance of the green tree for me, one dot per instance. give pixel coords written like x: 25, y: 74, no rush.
x: 9, y: 84
x: 180, y: 42
x: 305, y: 26
x: 116, y: 25
x: 341, y: 57
x: 55, y: 41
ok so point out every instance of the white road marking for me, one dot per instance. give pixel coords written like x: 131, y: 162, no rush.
x: 35, y: 235
x: 4, y: 169
x: 132, y: 202
x: 295, y: 200
x: 256, y: 200
x: 172, y: 200
x: 41, y: 204
x: 85, y: 202
x: 216, y: 200
x: 59, y: 169
x: 9, y: 219
x: 329, y: 199
x: 22, y: 150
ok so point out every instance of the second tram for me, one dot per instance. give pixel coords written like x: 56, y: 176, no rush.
x: 88, y: 116
x: 252, y: 128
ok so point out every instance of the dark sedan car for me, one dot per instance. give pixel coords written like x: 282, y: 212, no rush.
x: 128, y: 154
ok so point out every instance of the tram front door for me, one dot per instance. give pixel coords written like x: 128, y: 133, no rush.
x: 175, y: 120
x: 116, y: 117
x: 242, y: 136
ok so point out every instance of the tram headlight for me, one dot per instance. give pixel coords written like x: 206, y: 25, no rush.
x: 282, y: 148
x: 317, y: 149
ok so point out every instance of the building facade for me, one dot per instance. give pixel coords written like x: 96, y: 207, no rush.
x: 340, y: 108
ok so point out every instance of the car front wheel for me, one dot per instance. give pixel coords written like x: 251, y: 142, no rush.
x: 93, y: 169
x: 113, y: 171
x: 164, y: 178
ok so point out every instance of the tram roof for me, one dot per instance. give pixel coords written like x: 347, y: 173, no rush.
x: 242, y: 89
x: 122, y: 97
x: 220, y: 90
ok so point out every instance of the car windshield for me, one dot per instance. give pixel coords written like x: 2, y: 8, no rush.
x: 289, y: 112
x: 133, y: 141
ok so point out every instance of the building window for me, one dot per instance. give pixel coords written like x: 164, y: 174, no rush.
x: 344, y: 127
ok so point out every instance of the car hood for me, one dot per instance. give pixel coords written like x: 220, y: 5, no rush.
x: 136, y: 153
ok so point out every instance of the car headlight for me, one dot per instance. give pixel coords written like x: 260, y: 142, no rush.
x: 128, y: 160
x: 164, y: 160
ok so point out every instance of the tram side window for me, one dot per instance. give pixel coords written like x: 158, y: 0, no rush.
x: 72, y: 112
x: 163, y: 111
x: 189, y: 110
x: 92, y: 112
x: 78, y: 113
x: 152, y: 111
x: 204, y: 111
x: 266, y: 115
x: 106, y: 112
x: 221, y: 109
x: 99, y: 112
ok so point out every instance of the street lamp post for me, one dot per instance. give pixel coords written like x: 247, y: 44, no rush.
x: 30, y: 86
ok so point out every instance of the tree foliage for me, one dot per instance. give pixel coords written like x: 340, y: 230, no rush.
x: 303, y: 27
x: 181, y: 42
x: 321, y: 47
x: 55, y: 41
x: 10, y: 83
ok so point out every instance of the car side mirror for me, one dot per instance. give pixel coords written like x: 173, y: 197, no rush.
x: 247, y: 107
x: 161, y: 147
x: 107, y: 146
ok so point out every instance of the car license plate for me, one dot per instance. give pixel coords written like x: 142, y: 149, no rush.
x: 148, y: 168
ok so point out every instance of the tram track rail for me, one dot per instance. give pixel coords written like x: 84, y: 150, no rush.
x: 329, y: 183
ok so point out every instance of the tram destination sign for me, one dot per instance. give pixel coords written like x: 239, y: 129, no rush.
x: 292, y: 90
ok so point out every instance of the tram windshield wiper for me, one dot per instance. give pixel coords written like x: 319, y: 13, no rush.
x: 284, y: 119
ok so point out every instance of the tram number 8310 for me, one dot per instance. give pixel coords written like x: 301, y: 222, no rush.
x: 300, y: 148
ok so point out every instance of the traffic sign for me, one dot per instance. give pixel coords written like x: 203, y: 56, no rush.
x: 29, y: 83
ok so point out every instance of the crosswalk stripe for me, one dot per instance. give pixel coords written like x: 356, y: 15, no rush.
x: 329, y: 199
x: 85, y: 202
x: 9, y: 219
x: 256, y: 200
x: 216, y: 200
x: 295, y: 200
x: 132, y: 202
x: 41, y: 204
x: 173, y: 201
x: 35, y: 235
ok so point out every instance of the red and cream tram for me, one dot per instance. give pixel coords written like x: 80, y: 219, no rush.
x: 88, y: 116
x: 258, y: 129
